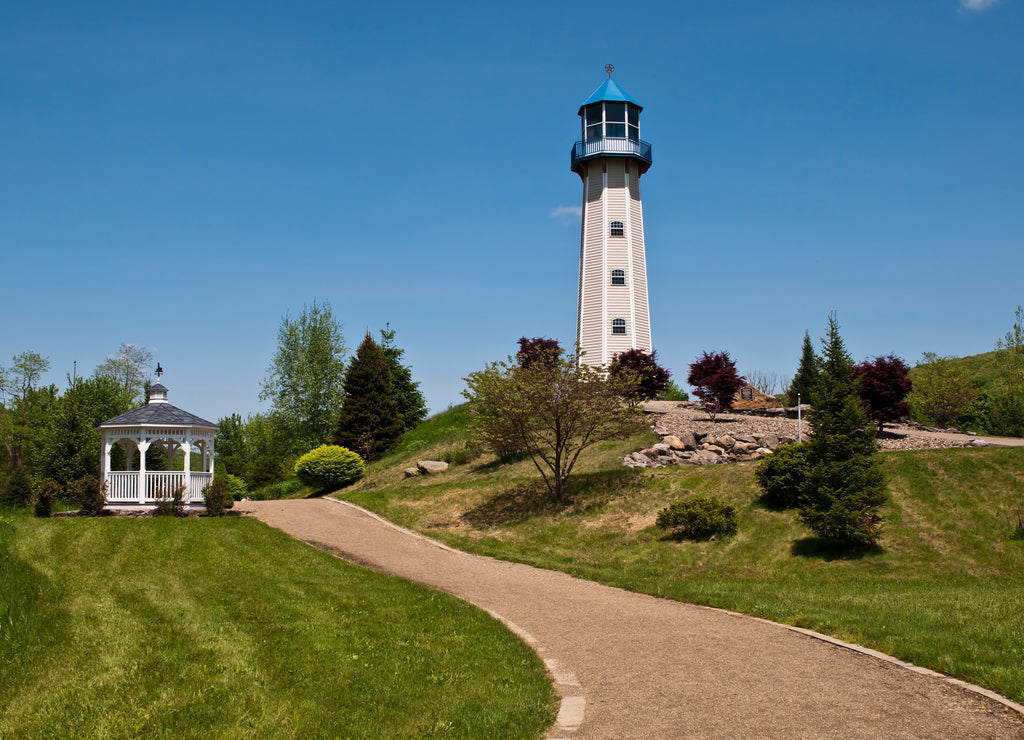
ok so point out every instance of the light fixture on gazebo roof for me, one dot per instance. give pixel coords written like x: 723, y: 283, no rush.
x: 161, y: 425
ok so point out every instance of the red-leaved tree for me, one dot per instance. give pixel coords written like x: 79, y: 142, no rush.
x: 653, y: 377
x: 884, y: 386
x: 715, y: 381
x: 531, y: 350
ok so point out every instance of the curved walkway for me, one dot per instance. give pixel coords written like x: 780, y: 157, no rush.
x: 634, y: 666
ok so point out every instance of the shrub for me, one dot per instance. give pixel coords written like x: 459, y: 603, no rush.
x: 217, y: 496
x: 43, y: 495
x: 330, y: 466
x: 781, y: 476
x: 171, y: 502
x: 276, y: 490
x: 90, y: 495
x: 237, y: 487
x: 699, y: 518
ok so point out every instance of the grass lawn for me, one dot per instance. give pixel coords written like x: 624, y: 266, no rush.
x: 225, y: 628
x: 945, y: 590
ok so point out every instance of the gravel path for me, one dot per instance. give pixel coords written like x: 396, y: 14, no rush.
x: 634, y: 666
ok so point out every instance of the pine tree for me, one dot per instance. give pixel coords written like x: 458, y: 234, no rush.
x: 807, y: 375
x: 844, y: 486
x: 369, y: 422
x: 412, y: 407
x: 17, y: 490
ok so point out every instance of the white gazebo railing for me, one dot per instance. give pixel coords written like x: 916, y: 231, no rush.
x: 123, y: 486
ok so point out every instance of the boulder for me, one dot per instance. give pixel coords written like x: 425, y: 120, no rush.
x: 411, y: 472
x: 430, y: 467
x: 978, y: 443
x: 770, y: 442
x: 749, y: 439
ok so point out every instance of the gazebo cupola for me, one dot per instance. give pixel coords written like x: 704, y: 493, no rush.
x: 164, y: 448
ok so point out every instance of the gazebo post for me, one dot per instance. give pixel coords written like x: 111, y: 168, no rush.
x: 187, y: 467
x: 142, y: 445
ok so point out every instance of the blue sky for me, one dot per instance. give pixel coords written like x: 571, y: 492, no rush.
x: 181, y: 175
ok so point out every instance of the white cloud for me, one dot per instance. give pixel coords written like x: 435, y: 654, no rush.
x: 978, y: 6
x: 567, y: 213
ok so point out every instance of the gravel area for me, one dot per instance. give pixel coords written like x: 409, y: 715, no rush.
x: 673, y: 420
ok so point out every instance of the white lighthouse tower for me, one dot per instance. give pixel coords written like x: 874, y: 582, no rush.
x: 613, y: 312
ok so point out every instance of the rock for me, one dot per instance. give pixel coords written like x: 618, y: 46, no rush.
x: 978, y: 443
x: 430, y: 467
x: 662, y: 448
x: 770, y: 442
x: 714, y: 449
x: 411, y: 472
x: 707, y: 457
x: 650, y: 452
x: 678, y: 443
x: 762, y: 451
x: 743, y: 447
x: 745, y: 438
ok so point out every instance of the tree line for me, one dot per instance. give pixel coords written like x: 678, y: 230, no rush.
x: 50, y: 436
x: 319, y: 395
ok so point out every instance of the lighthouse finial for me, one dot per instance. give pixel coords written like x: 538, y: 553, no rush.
x: 609, y: 68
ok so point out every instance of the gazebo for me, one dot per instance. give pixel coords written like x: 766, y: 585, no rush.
x: 186, y: 444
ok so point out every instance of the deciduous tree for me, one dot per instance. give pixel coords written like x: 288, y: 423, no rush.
x: 715, y: 381
x: 304, y: 381
x: 1009, y: 411
x: 553, y: 408
x: 944, y: 390
x: 531, y: 350
x: 644, y: 365
x: 883, y: 385
x: 129, y: 367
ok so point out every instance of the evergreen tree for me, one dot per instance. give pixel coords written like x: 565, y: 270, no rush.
x: 807, y: 374
x: 369, y: 422
x: 412, y: 407
x: 17, y: 489
x: 844, y: 484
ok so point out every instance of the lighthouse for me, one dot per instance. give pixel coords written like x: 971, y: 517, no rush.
x: 613, y: 314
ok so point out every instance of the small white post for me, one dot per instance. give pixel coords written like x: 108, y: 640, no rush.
x: 799, y: 421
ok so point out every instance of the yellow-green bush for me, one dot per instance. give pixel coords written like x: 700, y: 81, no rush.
x: 330, y: 466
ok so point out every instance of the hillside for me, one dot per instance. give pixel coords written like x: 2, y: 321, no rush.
x: 943, y: 590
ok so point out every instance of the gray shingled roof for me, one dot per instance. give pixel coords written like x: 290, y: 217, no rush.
x: 159, y: 413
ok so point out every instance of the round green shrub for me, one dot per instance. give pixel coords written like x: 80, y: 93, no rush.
x: 781, y: 476
x: 330, y: 466
x: 699, y: 518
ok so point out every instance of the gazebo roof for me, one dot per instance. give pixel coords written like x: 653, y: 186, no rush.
x: 158, y: 411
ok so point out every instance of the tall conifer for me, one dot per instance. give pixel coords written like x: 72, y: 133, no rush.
x: 844, y: 486
x: 369, y: 422
x: 807, y: 374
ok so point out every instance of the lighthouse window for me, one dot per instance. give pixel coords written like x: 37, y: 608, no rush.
x: 618, y: 326
x: 593, y: 121
x: 615, y: 115
x: 633, y: 121
x: 618, y: 229
x: 618, y: 277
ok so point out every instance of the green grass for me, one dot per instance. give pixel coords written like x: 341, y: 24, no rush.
x: 225, y: 628
x: 944, y: 590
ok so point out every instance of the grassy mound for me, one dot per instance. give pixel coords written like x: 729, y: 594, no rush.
x: 945, y: 589
x: 226, y: 628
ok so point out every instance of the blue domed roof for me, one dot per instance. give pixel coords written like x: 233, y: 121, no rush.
x: 609, y: 91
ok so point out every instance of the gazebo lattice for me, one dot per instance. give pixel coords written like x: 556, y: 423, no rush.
x: 185, y: 440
